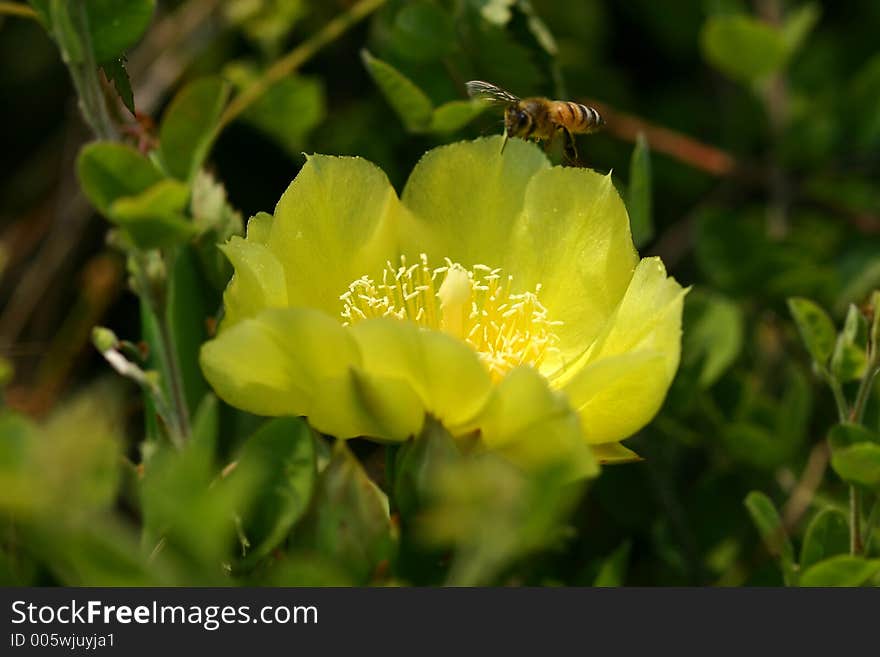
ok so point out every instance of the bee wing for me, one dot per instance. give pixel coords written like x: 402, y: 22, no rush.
x: 488, y: 91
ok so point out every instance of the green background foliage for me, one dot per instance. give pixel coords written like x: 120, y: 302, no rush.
x: 744, y: 138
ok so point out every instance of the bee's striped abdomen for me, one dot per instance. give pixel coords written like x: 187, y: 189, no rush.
x: 577, y: 118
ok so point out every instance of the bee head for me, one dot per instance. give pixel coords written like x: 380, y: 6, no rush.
x: 517, y: 121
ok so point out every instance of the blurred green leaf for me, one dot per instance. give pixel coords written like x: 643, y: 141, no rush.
x: 65, y: 470
x: 769, y: 525
x: 862, y: 99
x: 267, y: 22
x: 417, y: 464
x: 155, y: 218
x: 307, y: 570
x: 115, y: 71
x: 842, y: 570
x: 349, y: 519
x: 409, y: 102
x: 189, y: 522
x: 613, y: 569
x: 288, y: 111
x: 189, y: 304
x: 494, y: 514
x: 109, y: 171
x: 849, y: 360
x: 280, y: 459
x: 423, y: 31
x: 189, y: 126
x: 816, y: 329
x: 454, y: 115
x: 827, y: 535
x: 858, y: 464
x: 845, y: 434
x: 713, y: 335
x: 638, y: 193
x: 742, y: 47
x: 798, y: 24
x: 117, y: 26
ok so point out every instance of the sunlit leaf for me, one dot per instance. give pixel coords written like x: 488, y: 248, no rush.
x: 816, y: 329
x: 189, y: 126
x: 613, y: 569
x: 858, y: 464
x: 409, y: 102
x: 842, y: 570
x: 769, y: 525
x: 109, y: 171
x: 827, y: 535
x: 638, y: 193
x: 743, y: 47
x: 280, y: 459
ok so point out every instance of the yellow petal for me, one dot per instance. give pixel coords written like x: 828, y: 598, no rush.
x: 649, y: 317
x: 534, y: 426
x: 336, y: 222
x: 617, y: 396
x: 274, y: 363
x: 259, y: 227
x: 445, y: 373
x: 362, y: 405
x: 574, y: 239
x: 258, y: 281
x: 614, y: 453
x: 465, y: 198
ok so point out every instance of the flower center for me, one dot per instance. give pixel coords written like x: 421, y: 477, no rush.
x: 476, y: 305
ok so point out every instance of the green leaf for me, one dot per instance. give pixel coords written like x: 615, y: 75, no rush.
x: 713, y: 335
x: 454, y: 115
x: 845, y: 434
x: 423, y: 31
x: 117, y: 26
x: 206, y: 425
x: 638, y: 196
x: 115, y: 71
x: 613, y: 569
x: 827, y: 535
x: 289, y: 111
x: 409, y: 102
x: 798, y: 25
x: 816, y: 329
x: 280, y: 459
x: 849, y: 360
x: 742, y: 47
x: 108, y: 171
x: 858, y: 464
x: 190, y: 302
x: 417, y: 464
x: 349, y: 519
x: 769, y: 525
x: 189, y: 126
x: 843, y: 570
x: 155, y: 218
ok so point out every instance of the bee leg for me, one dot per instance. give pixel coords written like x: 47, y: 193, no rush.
x: 570, y: 148
x: 503, y: 141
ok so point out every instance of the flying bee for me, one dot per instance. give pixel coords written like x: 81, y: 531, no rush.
x: 539, y: 118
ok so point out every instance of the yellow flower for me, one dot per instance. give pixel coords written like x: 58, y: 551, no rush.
x: 500, y: 295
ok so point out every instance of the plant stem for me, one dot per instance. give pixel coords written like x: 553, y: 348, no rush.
x: 178, y: 414
x: 70, y: 29
x: 858, y: 409
x: 839, y: 399
x: 297, y: 57
x: 855, y: 498
x: 855, y: 520
x: 17, y: 9
x: 873, y: 517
